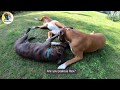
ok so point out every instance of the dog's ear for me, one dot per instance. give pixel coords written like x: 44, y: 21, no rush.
x: 61, y: 36
x: 41, y: 19
x: 61, y: 33
x: 46, y: 17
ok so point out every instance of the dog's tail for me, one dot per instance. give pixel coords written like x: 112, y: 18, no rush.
x: 92, y: 32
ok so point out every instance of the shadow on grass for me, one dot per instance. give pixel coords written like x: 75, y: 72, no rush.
x: 78, y: 14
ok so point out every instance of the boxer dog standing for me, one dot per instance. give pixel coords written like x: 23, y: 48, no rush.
x: 53, y: 25
x: 39, y: 51
x: 80, y: 43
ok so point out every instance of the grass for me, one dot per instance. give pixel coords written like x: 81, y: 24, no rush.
x: 102, y: 64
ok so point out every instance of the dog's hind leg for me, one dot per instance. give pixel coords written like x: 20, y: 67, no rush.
x: 24, y: 37
x: 92, y: 33
x: 31, y: 38
x: 28, y: 30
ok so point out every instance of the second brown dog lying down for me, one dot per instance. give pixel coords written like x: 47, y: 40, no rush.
x: 80, y: 43
x: 53, y: 25
x: 39, y: 51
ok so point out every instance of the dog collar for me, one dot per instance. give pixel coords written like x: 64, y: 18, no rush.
x: 48, y: 53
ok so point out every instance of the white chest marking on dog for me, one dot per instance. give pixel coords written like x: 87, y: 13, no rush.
x: 53, y: 27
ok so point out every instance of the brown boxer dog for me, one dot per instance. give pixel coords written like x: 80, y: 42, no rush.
x: 50, y: 24
x: 80, y: 43
x: 39, y: 51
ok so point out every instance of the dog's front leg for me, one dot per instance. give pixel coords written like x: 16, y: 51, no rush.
x: 48, y: 42
x: 44, y: 26
x: 24, y: 37
x: 69, y: 62
x: 50, y: 34
x: 21, y: 40
x: 52, y: 38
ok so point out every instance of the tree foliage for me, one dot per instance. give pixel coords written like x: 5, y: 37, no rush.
x: 114, y: 15
x: 13, y: 12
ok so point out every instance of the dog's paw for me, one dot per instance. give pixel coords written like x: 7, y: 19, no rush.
x: 62, y: 66
x: 33, y: 27
x: 36, y: 19
x: 55, y: 43
x: 28, y: 30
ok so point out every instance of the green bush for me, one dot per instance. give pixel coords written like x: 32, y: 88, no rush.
x: 114, y: 16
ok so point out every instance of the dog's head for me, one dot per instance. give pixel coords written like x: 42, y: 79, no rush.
x: 44, y: 18
x: 62, y: 33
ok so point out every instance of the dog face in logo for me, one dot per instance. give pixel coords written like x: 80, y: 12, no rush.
x: 7, y: 16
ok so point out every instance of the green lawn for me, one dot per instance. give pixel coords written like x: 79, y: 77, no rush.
x: 102, y: 64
